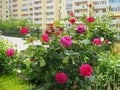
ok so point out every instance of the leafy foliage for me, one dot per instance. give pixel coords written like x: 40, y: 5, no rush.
x: 6, y: 63
x: 46, y: 60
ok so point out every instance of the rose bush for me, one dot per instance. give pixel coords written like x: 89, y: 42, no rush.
x: 7, y: 58
x: 68, y: 60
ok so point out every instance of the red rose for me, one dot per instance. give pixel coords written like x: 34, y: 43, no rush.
x: 97, y: 41
x: 50, y: 31
x: 45, y: 38
x: 71, y: 14
x: 90, y: 19
x: 61, y: 78
x: 86, y: 70
x: 89, y: 5
x: 72, y: 20
x: 106, y: 41
x: 24, y: 30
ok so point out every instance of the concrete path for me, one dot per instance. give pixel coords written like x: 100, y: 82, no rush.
x: 18, y: 42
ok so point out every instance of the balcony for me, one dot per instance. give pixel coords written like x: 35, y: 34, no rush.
x: 81, y: 7
x: 116, y: 21
x: 14, y: 3
x: 37, y: 0
x: 100, y: 6
x: 14, y: 12
x: 114, y: 5
x: 79, y: 14
x: 100, y: 14
x: 39, y: 16
x: 30, y: 11
x: 80, y: 0
x: 15, y: 8
x: 37, y: 11
x: 37, y: 5
x: 38, y: 22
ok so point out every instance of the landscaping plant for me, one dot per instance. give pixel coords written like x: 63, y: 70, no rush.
x: 71, y: 54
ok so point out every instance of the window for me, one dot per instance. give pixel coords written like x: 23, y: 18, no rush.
x: 114, y: 1
x: 49, y: 7
x: 104, y: 10
x: 49, y: 13
x: 24, y: 10
x: 49, y: 19
x: 49, y: 1
x: 115, y: 9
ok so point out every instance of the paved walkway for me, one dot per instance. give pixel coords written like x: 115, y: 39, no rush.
x: 18, y: 42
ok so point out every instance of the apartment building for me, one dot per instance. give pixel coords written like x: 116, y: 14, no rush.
x: 5, y: 9
x: 41, y: 12
x: 45, y: 12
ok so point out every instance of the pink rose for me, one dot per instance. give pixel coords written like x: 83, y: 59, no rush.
x: 10, y: 52
x: 61, y: 78
x: 24, y: 30
x: 59, y: 33
x: 97, y: 41
x: 90, y: 19
x: 66, y: 41
x: 71, y: 14
x: 45, y: 38
x: 80, y: 29
x: 86, y: 70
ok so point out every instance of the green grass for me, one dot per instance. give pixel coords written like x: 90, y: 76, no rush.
x: 13, y: 82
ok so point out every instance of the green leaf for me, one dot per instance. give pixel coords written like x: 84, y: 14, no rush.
x: 65, y: 60
x: 91, y: 78
x: 42, y: 62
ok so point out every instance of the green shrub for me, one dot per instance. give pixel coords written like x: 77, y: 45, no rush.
x: 6, y: 63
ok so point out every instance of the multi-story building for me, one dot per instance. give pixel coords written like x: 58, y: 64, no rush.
x: 41, y: 12
x: 45, y: 12
x: 5, y: 9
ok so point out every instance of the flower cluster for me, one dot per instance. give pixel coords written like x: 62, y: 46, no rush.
x: 68, y: 53
x: 85, y: 70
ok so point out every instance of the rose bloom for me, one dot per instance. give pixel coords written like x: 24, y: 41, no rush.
x: 106, y: 41
x: 89, y: 5
x: 86, y: 70
x: 71, y: 14
x: 97, y: 41
x: 61, y: 78
x: 10, y: 52
x: 59, y: 33
x: 45, y: 38
x: 24, y: 30
x: 80, y: 29
x: 50, y: 30
x: 90, y: 19
x: 66, y: 41
x: 60, y: 29
x: 72, y: 20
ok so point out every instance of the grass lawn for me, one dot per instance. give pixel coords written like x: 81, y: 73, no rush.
x: 13, y: 82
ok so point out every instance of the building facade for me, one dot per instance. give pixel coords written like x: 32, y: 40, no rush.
x: 45, y: 12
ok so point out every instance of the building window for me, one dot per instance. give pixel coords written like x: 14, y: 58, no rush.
x: 49, y: 13
x: 114, y: 1
x: 49, y: 19
x: 49, y: 1
x: 104, y: 10
x: 49, y: 7
x: 115, y: 9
